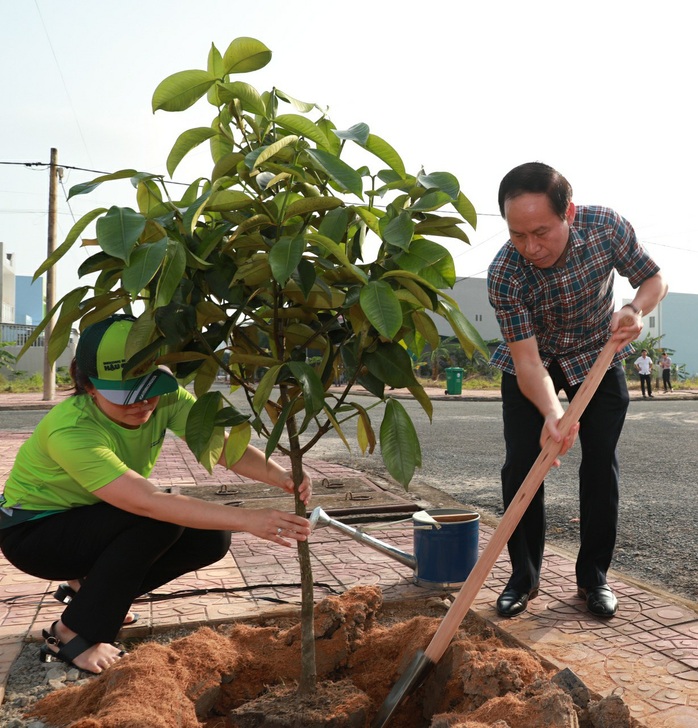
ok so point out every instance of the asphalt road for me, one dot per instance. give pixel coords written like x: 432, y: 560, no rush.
x: 462, y: 452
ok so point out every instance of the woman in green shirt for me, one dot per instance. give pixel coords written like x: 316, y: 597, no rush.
x: 78, y: 505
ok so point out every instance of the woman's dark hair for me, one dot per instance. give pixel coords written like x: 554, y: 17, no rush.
x: 536, y: 178
x: 80, y: 381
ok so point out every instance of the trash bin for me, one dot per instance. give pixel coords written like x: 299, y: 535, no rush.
x: 454, y: 380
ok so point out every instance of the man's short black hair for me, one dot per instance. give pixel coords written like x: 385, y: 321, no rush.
x: 536, y: 178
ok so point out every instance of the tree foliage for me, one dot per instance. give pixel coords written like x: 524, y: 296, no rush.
x: 264, y: 259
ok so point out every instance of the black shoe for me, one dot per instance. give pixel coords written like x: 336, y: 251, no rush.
x: 601, y: 601
x: 651, y: 395
x: 512, y: 601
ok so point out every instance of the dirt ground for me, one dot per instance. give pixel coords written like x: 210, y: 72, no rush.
x: 244, y: 676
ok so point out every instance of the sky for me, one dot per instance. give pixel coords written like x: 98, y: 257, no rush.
x: 603, y: 91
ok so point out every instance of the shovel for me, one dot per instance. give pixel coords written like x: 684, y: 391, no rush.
x: 424, y: 660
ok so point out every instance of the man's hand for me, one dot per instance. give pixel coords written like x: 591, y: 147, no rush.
x: 551, y: 431
x: 626, y: 326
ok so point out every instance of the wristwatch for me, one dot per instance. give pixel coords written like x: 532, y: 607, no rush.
x: 634, y: 308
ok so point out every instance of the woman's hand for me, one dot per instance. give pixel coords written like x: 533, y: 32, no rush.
x: 305, y: 491
x: 276, y: 526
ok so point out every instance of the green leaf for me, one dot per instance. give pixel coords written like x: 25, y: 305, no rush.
x: 70, y: 312
x: 149, y: 198
x: 277, y: 430
x: 444, y: 181
x: 339, y: 172
x: 86, y: 187
x: 399, y: 443
x: 364, y: 431
x: 431, y: 200
x: 245, y: 55
x: 185, y: 143
x: 399, y: 231
x: 337, y: 428
x: 177, y: 322
x: 311, y: 204
x: 98, y: 262
x: 264, y: 388
x: 384, y: 151
x: 141, y: 334
x: 225, y: 200
x: 262, y: 154
x: 119, y: 230
x: 306, y: 277
x: 358, y: 133
x: 181, y: 90
x: 173, y: 268
x: 67, y: 244
x: 231, y: 417
x: 391, y: 363
x: 418, y: 392
x: 430, y: 260
x: 206, y: 374
x: 382, y: 308
x: 248, y: 96
x: 201, y: 433
x: 39, y: 329
x: 310, y: 384
x: 466, y: 210
x: 301, y: 126
x: 144, y: 263
x: 237, y: 442
x: 334, y: 224
x: 284, y: 257
x: 303, y: 106
x: 467, y: 334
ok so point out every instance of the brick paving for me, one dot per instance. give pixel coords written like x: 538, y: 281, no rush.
x: 648, y: 653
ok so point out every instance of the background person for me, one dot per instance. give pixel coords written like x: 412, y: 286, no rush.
x: 665, y: 366
x: 78, y: 506
x: 551, y: 286
x: 643, y: 365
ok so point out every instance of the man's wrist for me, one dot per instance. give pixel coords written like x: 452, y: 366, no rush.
x: 633, y: 308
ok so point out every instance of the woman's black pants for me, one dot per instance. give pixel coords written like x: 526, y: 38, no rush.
x: 121, y: 556
x: 600, y: 428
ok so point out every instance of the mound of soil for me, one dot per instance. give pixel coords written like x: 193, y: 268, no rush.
x: 244, y: 676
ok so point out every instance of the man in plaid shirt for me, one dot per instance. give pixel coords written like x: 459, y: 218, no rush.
x: 551, y: 286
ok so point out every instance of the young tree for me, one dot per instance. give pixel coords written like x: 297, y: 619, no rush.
x: 263, y: 262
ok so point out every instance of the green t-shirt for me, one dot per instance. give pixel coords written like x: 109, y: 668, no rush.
x: 76, y: 449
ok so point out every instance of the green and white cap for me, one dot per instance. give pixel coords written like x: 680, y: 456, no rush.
x: 101, y: 355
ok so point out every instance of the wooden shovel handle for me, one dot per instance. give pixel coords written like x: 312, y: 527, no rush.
x: 450, y: 623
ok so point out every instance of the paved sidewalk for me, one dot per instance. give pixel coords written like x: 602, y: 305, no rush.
x: 648, y: 653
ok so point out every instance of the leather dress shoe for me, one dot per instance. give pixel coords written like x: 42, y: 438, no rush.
x: 601, y: 601
x: 512, y: 601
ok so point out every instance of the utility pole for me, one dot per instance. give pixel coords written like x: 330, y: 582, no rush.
x: 50, y: 369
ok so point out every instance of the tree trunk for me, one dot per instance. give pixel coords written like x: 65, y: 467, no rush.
x: 308, y: 679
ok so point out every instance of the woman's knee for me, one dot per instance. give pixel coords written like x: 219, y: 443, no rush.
x: 212, y: 546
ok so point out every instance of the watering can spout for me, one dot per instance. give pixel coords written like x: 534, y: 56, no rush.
x: 319, y: 518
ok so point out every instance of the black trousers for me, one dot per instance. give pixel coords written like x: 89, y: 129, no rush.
x: 600, y: 428
x: 121, y: 555
x: 666, y: 379
x: 646, y: 380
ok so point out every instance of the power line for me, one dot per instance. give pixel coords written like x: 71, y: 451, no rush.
x: 60, y: 73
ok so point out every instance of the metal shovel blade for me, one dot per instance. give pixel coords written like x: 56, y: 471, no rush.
x: 410, y: 680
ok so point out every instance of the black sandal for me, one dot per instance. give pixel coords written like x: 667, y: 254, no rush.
x: 66, y: 652
x: 65, y: 594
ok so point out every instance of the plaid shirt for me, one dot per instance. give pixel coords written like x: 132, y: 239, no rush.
x: 568, y: 309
